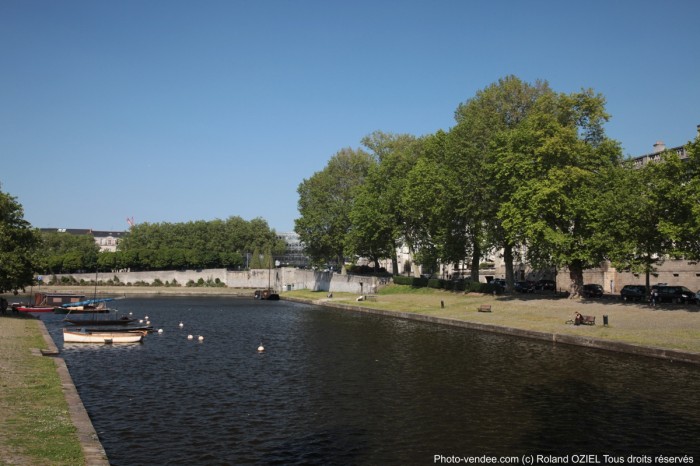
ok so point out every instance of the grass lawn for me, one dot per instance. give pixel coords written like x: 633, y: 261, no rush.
x: 35, y: 427
x: 668, y: 326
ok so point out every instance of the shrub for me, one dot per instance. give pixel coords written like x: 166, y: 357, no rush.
x: 417, y: 282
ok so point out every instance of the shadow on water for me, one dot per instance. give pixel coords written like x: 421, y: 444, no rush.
x: 578, y: 417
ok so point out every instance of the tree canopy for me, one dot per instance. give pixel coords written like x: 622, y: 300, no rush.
x: 18, y: 246
x: 325, y: 202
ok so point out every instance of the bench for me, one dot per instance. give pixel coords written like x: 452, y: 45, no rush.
x: 371, y: 297
x: 587, y: 320
x: 484, y: 308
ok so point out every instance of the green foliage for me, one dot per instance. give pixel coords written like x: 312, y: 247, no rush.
x: 417, y: 282
x: 325, y: 202
x: 19, y: 258
x: 191, y: 245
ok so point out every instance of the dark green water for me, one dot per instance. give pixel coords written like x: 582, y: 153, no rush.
x: 336, y: 387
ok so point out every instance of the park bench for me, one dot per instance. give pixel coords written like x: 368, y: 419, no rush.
x: 484, y: 308
x: 371, y: 297
x: 588, y: 320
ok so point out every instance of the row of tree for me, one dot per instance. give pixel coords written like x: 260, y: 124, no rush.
x: 232, y: 243
x: 525, y: 170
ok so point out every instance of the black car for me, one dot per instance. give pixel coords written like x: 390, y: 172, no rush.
x: 633, y: 292
x: 591, y: 290
x: 545, y: 285
x: 674, y: 294
x: 524, y: 287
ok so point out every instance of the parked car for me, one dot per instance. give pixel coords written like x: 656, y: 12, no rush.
x: 545, y: 285
x: 633, y: 292
x: 499, y: 283
x: 675, y: 294
x: 524, y: 287
x: 591, y: 290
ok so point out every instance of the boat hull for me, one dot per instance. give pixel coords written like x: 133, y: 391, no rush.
x: 32, y: 309
x: 84, y: 322
x: 103, y: 337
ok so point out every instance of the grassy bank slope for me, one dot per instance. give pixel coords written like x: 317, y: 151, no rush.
x: 668, y: 326
x: 35, y: 425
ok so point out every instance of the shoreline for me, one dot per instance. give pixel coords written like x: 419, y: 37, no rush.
x: 583, y: 341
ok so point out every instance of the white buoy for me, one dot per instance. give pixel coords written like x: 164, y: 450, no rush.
x: 200, y: 338
x: 181, y: 325
x: 140, y: 321
x: 261, y: 348
x: 148, y: 322
x: 160, y: 330
x: 146, y: 317
x: 131, y: 313
x: 189, y: 337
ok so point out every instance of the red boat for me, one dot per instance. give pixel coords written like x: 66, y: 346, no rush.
x: 46, y: 302
x: 17, y: 307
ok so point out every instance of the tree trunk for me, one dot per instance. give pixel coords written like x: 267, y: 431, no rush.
x: 476, y: 256
x: 576, y: 276
x: 508, y: 262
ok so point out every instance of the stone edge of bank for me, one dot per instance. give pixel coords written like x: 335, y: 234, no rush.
x: 93, y: 451
x: 607, y: 345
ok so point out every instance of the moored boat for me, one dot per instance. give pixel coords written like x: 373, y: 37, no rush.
x: 90, y: 306
x: 47, y: 302
x: 266, y: 294
x: 71, y: 336
x: 19, y: 307
x: 124, y: 320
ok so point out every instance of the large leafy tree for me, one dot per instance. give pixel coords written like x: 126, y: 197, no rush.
x: 65, y: 252
x: 678, y: 197
x: 325, y: 202
x: 18, y: 246
x: 197, y: 244
x: 377, y: 217
x: 433, y: 231
x: 483, y: 125
x: 564, y: 163
x: 633, y: 208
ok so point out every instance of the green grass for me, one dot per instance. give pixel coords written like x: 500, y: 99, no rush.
x: 35, y: 423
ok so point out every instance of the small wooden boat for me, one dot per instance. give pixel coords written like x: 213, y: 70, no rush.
x: 84, y: 322
x: 266, y: 294
x: 19, y: 307
x: 117, y: 329
x: 70, y: 336
x: 97, y: 305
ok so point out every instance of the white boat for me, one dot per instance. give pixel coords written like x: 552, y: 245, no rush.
x: 73, y: 336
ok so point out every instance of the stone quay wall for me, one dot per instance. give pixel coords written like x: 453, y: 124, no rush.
x: 279, y: 279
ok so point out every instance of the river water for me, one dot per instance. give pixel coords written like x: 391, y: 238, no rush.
x: 340, y: 387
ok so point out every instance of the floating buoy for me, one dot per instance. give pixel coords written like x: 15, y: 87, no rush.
x: 189, y: 337
x: 148, y: 322
x: 140, y: 321
x: 146, y: 317
x: 181, y: 324
x: 160, y: 330
x: 200, y: 338
x: 131, y: 313
x: 261, y: 348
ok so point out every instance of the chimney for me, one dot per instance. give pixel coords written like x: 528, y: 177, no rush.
x: 698, y: 130
x: 659, y: 147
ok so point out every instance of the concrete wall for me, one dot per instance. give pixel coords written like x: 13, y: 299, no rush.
x: 673, y: 272
x: 280, y: 279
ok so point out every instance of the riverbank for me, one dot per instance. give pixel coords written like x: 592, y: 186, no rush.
x: 36, y: 414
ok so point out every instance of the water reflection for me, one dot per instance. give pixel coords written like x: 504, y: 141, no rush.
x: 335, y: 387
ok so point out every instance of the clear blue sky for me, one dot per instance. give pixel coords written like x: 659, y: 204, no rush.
x: 172, y: 111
